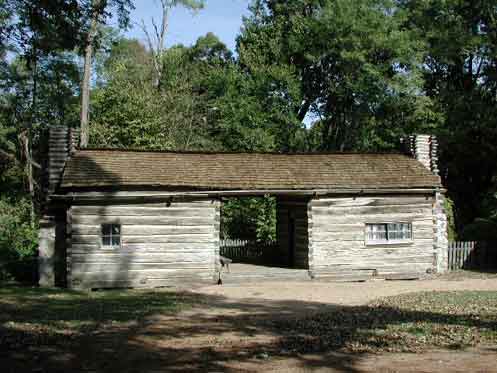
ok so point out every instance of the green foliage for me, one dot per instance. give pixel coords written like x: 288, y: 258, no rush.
x: 18, y: 239
x: 130, y: 112
x: 308, y: 75
x: 249, y: 218
x: 460, y: 76
x: 347, y: 64
x: 451, y: 224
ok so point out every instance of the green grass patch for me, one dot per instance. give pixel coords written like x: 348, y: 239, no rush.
x: 45, y: 316
x: 408, y: 323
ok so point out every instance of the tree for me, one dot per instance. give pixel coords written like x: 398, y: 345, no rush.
x: 157, y: 40
x: 97, y: 14
x: 460, y: 74
x: 130, y: 112
x: 35, y: 32
x: 349, y: 61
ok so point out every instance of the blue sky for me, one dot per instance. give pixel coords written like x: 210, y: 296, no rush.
x: 222, y: 17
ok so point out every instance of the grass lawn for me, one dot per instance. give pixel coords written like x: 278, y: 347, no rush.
x: 44, y: 316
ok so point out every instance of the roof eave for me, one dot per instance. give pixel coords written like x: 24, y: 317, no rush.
x: 120, y: 195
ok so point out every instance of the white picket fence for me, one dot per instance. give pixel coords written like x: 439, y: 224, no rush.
x: 472, y: 255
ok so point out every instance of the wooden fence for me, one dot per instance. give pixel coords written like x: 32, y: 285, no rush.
x: 247, y: 251
x: 472, y: 255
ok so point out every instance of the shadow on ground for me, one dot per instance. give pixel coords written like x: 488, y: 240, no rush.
x: 114, y: 331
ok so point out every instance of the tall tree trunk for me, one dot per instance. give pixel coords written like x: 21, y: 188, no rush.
x: 85, y: 85
x: 28, y: 169
x: 156, y: 42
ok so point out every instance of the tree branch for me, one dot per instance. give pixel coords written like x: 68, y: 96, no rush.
x: 304, y: 108
x: 9, y: 156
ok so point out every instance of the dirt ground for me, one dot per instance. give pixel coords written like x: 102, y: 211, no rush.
x: 294, y: 298
x: 231, y: 328
x: 347, y: 293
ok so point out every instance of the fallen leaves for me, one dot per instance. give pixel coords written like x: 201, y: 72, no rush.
x: 408, y: 323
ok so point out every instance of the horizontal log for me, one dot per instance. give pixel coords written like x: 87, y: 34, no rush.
x: 144, y: 220
x: 78, y: 267
x: 143, y: 257
x: 129, y: 275
x: 143, y: 283
x: 425, y: 209
x: 199, y: 238
x: 328, y: 219
x: 77, y: 241
x: 183, y: 232
x: 360, y: 245
x: 372, y: 201
x: 379, y: 262
x: 141, y: 252
x: 180, y: 210
x: 182, y: 200
x: 360, y: 235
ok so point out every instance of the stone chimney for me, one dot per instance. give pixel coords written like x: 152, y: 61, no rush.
x: 424, y: 148
x: 62, y: 143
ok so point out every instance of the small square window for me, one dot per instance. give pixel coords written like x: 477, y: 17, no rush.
x: 388, y: 233
x: 111, y: 235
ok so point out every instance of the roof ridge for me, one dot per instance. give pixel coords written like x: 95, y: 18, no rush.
x: 212, y: 152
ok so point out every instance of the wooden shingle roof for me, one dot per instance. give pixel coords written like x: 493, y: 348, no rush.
x: 244, y: 171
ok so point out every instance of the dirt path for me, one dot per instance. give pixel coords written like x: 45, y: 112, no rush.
x: 471, y: 360
x: 347, y: 293
x: 232, y: 329
x: 236, y: 315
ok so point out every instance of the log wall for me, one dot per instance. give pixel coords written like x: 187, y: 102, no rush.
x: 161, y: 244
x: 286, y: 210
x: 337, y: 246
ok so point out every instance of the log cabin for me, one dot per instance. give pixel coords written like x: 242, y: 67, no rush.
x: 123, y: 218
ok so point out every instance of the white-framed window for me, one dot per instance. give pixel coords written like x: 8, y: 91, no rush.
x: 111, y: 235
x: 388, y: 233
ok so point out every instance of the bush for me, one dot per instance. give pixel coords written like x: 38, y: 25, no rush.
x: 249, y: 218
x: 480, y: 230
x: 18, y: 240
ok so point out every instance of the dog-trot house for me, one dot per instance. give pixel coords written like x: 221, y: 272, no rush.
x: 143, y: 219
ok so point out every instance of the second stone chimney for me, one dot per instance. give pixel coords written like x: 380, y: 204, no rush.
x: 424, y: 148
x: 62, y: 142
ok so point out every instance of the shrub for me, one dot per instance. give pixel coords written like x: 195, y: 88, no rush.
x: 18, y: 240
x: 249, y: 218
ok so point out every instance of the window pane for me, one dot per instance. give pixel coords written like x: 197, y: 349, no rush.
x: 116, y: 241
x: 399, y: 231
x: 106, y: 241
x: 116, y: 229
x: 376, y: 232
x: 106, y: 229
x: 388, y: 232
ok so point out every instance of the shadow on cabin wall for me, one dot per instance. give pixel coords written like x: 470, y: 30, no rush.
x: 75, y: 258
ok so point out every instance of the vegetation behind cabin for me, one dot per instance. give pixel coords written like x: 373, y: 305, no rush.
x: 306, y: 75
